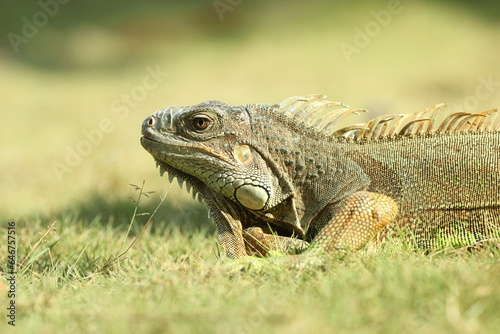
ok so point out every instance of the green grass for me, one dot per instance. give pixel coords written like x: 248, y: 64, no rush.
x: 78, y: 275
x: 176, y: 282
x: 174, y: 277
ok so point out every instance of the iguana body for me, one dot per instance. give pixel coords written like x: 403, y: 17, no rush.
x: 271, y: 172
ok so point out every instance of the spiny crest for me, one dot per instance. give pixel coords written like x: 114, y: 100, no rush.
x: 424, y: 122
x: 315, y: 112
x: 323, y: 116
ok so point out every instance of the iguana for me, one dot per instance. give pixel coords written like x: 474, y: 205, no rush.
x: 286, y: 174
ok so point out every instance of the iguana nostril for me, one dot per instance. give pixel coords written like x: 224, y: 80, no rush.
x: 151, y: 121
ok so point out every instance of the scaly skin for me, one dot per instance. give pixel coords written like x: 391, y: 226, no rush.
x: 282, y: 176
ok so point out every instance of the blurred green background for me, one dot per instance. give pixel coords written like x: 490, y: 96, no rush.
x: 79, y: 77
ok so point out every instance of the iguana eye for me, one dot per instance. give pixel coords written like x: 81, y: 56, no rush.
x: 200, y: 123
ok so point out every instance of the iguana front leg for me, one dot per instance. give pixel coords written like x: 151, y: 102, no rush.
x: 347, y: 224
x: 351, y: 222
x: 260, y: 243
x: 229, y: 229
x: 343, y: 225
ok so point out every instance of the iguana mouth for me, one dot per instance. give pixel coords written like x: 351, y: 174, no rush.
x: 193, y: 185
x: 143, y: 138
x: 178, y: 148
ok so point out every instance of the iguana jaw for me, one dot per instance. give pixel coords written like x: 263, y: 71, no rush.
x: 164, y: 158
x: 217, y: 173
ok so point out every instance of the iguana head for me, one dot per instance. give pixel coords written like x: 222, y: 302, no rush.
x: 210, y: 146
